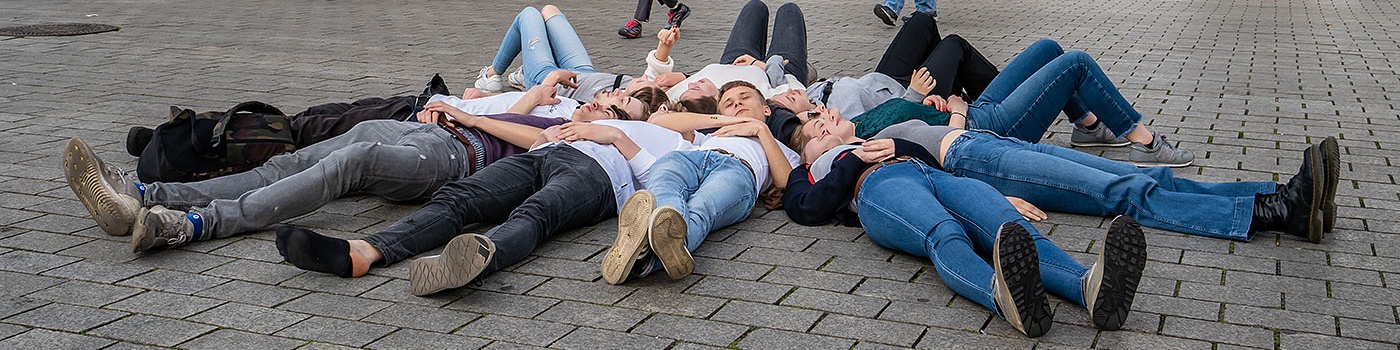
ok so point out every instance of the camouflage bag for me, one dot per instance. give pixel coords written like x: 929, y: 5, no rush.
x: 193, y: 147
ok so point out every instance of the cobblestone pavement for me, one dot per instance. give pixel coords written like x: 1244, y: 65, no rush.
x: 1244, y: 84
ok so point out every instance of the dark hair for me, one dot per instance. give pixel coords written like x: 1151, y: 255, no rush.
x: 702, y: 105
x: 651, y: 97
x: 799, y: 139
x: 737, y: 84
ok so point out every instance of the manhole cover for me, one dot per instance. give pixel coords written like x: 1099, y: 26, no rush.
x: 57, y: 29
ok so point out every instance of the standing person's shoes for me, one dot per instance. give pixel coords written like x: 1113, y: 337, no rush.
x: 1016, y: 287
x: 631, y: 30
x: 1112, y: 282
x: 159, y: 227
x: 886, y: 14
x: 464, y: 258
x: 1159, y: 153
x: 1098, y: 136
x: 676, y: 15
x: 110, y: 195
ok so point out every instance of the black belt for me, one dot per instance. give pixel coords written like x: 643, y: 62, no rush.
x: 826, y: 91
x: 861, y: 180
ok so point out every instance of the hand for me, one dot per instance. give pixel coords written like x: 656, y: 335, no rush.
x: 562, y: 77
x: 668, y: 37
x: 462, y: 118
x: 667, y: 80
x: 745, y: 60
x: 937, y: 102
x: 551, y: 134
x: 1028, y: 211
x: 747, y: 128
x: 543, y: 94
x: 874, y: 151
x: 426, y: 116
x: 472, y: 93
x: 922, y: 81
x: 956, y: 104
x: 824, y: 110
x: 577, y: 131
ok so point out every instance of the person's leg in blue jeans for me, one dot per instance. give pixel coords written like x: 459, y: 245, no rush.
x: 527, y: 37
x: 1059, y: 184
x: 926, y: 6
x: 748, y: 35
x: 896, y: 5
x: 712, y: 190
x: 568, y: 50
x: 790, y: 39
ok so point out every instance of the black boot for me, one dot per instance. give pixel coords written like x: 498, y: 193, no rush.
x: 435, y: 87
x: 1295, y: 208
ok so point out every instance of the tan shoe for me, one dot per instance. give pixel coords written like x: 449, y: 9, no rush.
x: 632, y: 225
x: 464, y: 258
x: 667, y: 237
x: 108, y: 194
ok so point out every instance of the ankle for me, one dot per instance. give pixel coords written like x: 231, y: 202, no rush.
x: 362, y: 255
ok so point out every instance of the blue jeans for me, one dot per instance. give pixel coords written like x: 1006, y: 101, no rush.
x: 543, y: 46
x: 1026, y: 97
x: 917, y: 209
x: 711, y: 189
x: 1059, y: 179
x: 919, y: 5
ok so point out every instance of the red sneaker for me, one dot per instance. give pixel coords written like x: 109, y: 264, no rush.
x: 676, y: 15
x: 632, y: 30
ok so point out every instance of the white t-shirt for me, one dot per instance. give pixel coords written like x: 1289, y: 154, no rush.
x: 653, y: 140
x: 750, y: 150
x: 724, y: 73
x: 501, y: 103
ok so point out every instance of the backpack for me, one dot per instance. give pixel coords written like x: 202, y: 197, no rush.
x: 193, y: 147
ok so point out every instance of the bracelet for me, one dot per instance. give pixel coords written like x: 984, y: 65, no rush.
x: 964, y: 115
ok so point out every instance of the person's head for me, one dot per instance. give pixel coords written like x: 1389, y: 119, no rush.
x: 821, y: 132
x: 641, y: 82
x: 612, y: 105
x: 698, y: 89
x: 741, y: 99
x: 652, y: 97
x: 794, y: 100
x: 702, y: 105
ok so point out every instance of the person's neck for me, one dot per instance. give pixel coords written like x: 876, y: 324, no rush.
x: 852, y: 139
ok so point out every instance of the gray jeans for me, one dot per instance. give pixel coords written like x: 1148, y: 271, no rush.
x: 400, y: 161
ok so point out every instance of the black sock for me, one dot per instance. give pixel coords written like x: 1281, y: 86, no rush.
x: 1152, y: 144
x: 1094, y: 126
x: 313, y: 251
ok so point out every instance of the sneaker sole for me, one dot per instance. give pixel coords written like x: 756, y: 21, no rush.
x: 667, y: 239
x: 464, y: 258
x: 1017, y: 269
x: 884, y: 17
x: 1100, y: 144
x: 1315, y: 222
x: 114, y: 213
x: 1333, y: 161
x: 632, y: 224
x: 1170, y: 165
x: 1123, y: 255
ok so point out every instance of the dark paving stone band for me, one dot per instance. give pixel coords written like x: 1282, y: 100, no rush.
x: 57, y: 29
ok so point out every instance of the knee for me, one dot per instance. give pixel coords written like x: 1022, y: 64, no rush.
x: 952, y: 38
x: 1047, y: 44
x: 920, y: 19
x: 790, y: 8
x: 528, y: 12
x: 1078, y: 56
x: 549, y: 11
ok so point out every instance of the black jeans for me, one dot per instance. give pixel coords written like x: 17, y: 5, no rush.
x: 952, y: 61
x: 644, y: 8
x: 536, y: 194
x: 789, y: 36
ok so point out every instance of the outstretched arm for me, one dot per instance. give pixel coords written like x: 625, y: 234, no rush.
x: 516, y: 134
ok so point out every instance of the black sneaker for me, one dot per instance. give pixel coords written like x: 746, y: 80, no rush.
x: 1016, y: 285
x: 886, y: 14
x: 464, y: 258
x: 1332, y: 161
x: 676, y: 15
x: 1113, y: 280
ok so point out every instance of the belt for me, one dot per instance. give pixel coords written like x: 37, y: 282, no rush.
x: 741, y: 160
x: 861, y: 180
x: 826, y: 91
x: 471, y: 149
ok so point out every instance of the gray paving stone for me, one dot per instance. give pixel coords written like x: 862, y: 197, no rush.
x: 730, y: 268
x: 866, y: 329
x: 330, y: 330
x: 65, y: 317
x: 331, y: 305
x: 260, y: 272
x: 249, y: 248
x: 503, y: 304
x: 420, y: 317
x: 1282, y: 319
x: 7, y: 330
x: 332, y: 284
x: 693, y: 330
x: 591, y: 338
x: 937, y: 337
x: 1135, y: 340
x: 765, y: 315
x: 416, y: 339
x: 249, y: 318
x: 841, y: 303
x: 103, y: 272
x: 592, y: 315
x: 152, y: 330
x: 597, y: 292
x: 10, y: 306
x: 42, y: 241
x: 1315, y: 341
x: 173, y: 281
x: 1217, y: 332
x: 221, y: 339
x: 814, y: 279
x: 673, y: 303
x: 252, y: 293
x: 518, y: 330
x: 736, y: 289
x: 779, y: 339
x: 31, y: 262
x: 85, y: 293
x: 43, y: 338
x: 101, y: 251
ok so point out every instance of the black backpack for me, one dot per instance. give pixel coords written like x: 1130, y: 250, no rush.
x: 193, y: 147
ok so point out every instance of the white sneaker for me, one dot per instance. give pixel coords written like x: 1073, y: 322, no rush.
x: 516, y: 78
x: 486, y: 82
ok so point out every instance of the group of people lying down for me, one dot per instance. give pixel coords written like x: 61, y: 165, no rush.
x: 900, y: 152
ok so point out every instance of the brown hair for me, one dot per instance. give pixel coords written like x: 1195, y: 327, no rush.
x: 702, y: 105
x: 737, y: 84
x: 651, y: 97
x: 799, y: 139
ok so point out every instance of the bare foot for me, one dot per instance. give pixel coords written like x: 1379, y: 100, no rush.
x: 362, y: 255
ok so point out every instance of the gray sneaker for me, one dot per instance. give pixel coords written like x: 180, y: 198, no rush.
x: 109, y: 194
x: 1099, y: 137
x: 1161, y: 154
x: 159, y: 227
